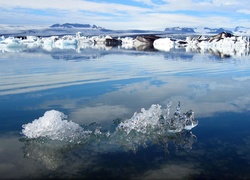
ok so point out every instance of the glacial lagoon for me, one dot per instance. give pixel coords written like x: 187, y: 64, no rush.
x: 87, y: 94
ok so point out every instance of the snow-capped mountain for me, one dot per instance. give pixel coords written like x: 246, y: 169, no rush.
x: 216, y: 30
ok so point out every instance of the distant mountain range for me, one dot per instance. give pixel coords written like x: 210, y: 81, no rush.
x: 171, y: 30
x: 241, y: 29
x: 88, y: 30
x: 75, y: 25
x: 207, y: 30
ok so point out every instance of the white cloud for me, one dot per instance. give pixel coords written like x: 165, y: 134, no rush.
x: 244, y: 11
x: 137, y: 14
x: 72, y: 5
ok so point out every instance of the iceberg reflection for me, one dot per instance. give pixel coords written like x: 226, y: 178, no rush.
x: 48, y: 138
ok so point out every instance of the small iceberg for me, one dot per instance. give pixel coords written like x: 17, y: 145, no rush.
x: 164, y: 44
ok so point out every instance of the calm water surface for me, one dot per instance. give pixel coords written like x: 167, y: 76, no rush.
x: 99, y: 88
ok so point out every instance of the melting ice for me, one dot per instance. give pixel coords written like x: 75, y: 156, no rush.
x: 50, y: 136
x: 54, y: 124
x: 156, y: 117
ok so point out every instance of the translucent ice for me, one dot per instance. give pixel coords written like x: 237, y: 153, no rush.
x: 156, y: 117
x: 54, y: 125
x: 52, y: 135
x: 141, y: 121
x: 154, y: 125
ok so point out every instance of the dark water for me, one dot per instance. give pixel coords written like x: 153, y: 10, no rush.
x: 102, y: 88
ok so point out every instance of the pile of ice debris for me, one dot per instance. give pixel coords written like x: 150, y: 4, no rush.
x: 145, y: 126
x: 223, y: 42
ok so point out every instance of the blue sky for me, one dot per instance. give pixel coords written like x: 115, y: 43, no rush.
x: 128, y: 14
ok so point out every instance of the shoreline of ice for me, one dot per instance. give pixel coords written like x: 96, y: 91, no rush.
x: 225, y: 43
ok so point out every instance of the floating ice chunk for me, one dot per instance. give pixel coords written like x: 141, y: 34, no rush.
x: 155, y: 125
x: 190, y: 122
x: 224, y: 43
x: 52, y: 132
x: 147, y: 124
x: 141, y: 121
x: 11, y: 43
x: 155, y: 118
x: 127, y: 43
x: 53, y: 125
x: 66, y: 42
x: 163, y: 44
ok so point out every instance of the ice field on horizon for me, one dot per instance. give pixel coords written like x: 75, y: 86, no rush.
x: 224, y: 43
